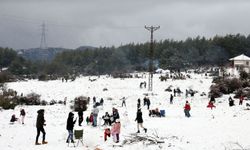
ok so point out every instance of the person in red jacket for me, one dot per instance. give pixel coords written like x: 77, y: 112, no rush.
x: 106, y: 133
x: 241, y: 100
x: 187, y: 108
x: 210, y: 105
x: 91, y: 118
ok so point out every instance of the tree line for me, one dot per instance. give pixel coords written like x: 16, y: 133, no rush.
x: 168, y: 54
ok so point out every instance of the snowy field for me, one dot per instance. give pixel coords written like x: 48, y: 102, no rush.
x: 223, y: 128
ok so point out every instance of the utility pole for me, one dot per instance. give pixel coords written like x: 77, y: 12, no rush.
x: 43, y: 44
x: 151, y: 55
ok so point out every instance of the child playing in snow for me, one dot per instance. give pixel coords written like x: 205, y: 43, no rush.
x: 106, y: 133
x: 115, y: 131
x: 210, y: 105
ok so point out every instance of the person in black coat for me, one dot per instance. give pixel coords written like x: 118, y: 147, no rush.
x: 115, y: 115
x: 139, y: 121
x: 13, y: 118
x: 148, y: 103
x: 106, y: 119
x: 40, y: 122
x: 80, y: 115
x: 70, y: 127
x: 138, y: 103
x: 231, y: 101
x: 171, y: 99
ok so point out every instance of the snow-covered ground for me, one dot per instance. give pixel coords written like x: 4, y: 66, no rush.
x: 221, y: 128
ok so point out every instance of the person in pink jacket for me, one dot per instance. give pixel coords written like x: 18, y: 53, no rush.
x: 115, y: 130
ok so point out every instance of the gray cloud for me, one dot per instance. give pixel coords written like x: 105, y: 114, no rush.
x: 113, y: 22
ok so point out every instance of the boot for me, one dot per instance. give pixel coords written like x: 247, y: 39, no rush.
x: 37, y: 143
x: 44, y: 142
x: 72, y: 141
x: 145, y: 129
x: 67, y: 141
x: 138, y: 131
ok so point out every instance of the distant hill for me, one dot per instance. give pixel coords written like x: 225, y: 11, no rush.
x: 85, y: 47
x: 48, y: 54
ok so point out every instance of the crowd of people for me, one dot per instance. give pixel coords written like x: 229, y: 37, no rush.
x: 111, y: 121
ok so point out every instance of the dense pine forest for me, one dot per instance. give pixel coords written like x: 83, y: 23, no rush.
x: 168, y: 54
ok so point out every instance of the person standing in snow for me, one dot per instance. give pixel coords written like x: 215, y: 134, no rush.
x: 139, y: 121
x: 138, y: 103
x: 148, y: 102
x: 22, y: 115
x: 186, y: 93
x: 241, y: 100
x: 94, y: 100
x: 40, y: 122
x: 231, y: 101
x: 95, y: 115
x: 80, y: 115
x: 187, y: 108
x: 115, y: 115
x: 171, y: 99
x: 70, y: 127
x: 124, y: 101
x: 115, y: 130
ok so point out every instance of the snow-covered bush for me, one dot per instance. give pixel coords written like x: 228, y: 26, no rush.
x: 242, y: 91
x: 8, y: 99
x: 227, y: 86
x: 215, y: 91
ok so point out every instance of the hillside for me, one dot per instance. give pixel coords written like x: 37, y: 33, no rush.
x: 223, y: 127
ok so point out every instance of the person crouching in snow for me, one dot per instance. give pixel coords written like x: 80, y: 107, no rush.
x: 210, y: 105
x: 115, y: 130
x: 106, y: 133
x: 13, y: 119
x: 187, y: 108
x: 70, y: 127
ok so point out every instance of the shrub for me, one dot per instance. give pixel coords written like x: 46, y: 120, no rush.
x: 52, y: 102
x: 233, y: 84
x: 6, y: 103
x: 43, y: 102
x: 5, y: 77
x: 42, y: 77
x: 33, y: 99
x: 8, y: 99
x: 244, y: 75
x: 215, y: 91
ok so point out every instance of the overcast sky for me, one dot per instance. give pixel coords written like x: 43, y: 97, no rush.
x: 74, y: 23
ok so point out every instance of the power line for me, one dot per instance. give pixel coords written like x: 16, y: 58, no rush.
x: 151, y: 54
